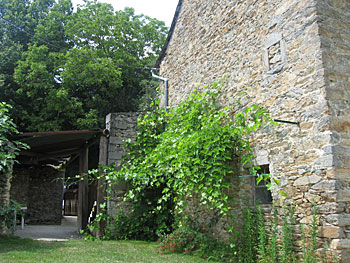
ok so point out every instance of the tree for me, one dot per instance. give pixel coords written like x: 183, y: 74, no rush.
x: 80, y: 66
x: 8, y: 152
x: 18, y: 20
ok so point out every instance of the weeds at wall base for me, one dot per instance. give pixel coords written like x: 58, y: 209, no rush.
x: 257, y: 240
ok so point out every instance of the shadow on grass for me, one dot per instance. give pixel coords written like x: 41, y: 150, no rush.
x: 12, y: 243
x: 19, y: 250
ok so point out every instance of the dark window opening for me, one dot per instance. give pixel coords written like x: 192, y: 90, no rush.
x: 261, y: 194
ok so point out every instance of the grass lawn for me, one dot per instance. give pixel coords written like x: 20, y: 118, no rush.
x: 27, y: 250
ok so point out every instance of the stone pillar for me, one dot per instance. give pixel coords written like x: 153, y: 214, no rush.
x: 122, y: 126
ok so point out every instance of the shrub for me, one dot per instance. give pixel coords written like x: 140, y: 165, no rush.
x: 189, y: 241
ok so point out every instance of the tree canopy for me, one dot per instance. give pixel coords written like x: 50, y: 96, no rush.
x: 64, y: 69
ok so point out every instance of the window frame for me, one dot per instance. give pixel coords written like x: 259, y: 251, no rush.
x: 264, y: 169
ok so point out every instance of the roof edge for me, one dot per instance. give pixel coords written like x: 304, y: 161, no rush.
x: 170, y: 34
x: 28, y: 134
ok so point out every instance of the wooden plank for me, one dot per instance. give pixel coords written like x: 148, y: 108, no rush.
x: 83, y: 212
x: 101, y: 184
x: 92, y: 197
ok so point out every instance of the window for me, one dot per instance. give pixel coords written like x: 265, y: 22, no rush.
x: 275, y: 53
x: 261, y: 194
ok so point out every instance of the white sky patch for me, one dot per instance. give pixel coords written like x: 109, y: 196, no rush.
x: 161, y: 9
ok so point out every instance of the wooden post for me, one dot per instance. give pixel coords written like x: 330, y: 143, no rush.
x: 101, y: 184
x: 83, y: 212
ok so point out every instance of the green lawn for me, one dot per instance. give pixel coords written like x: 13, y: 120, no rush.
x: 27, y: 250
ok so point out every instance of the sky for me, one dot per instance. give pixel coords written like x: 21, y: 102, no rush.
x: 161, y: 9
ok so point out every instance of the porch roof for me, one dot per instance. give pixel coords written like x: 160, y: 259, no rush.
x: 56, y: 147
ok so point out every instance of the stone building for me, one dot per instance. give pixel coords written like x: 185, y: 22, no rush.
x: 293, y: 58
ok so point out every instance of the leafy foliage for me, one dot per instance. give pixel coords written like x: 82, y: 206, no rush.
x: 8, y: 148
x: 189, y: 241
x: 67, y: 70
x: 7, y: 213
x: 185, y: 152
x: 190, y: 149
x: 16, y: 32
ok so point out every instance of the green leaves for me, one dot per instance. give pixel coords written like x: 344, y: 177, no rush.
x: 7, y: 213
x: 59, y: 66
x: 8, y: 148
x: 185, y: 154
x: 190, y: 150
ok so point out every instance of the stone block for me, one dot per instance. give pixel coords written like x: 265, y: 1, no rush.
x: 329, y: 208
x: 330, y: 232
x: 343, y: 195
x: 307, y: 220
x: 334, y: 244
x: 305, y: 180
x: 344, y: 244
x: 121, y: 125
x: 115, y: 140
x: 262, y: 157
x: 325, y: 161
x: 326, y: 185
x: 342, y: 126
x: 344, y: 220
x: 116, y: 155
x: 333, y: 219
x: 343, y: 174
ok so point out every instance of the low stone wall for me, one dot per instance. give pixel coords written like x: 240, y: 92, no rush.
x: 40, y: 189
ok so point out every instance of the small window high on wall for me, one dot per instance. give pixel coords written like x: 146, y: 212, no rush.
x: 261, y: 194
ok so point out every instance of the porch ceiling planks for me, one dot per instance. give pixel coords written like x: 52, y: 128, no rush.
x: 55, y: 147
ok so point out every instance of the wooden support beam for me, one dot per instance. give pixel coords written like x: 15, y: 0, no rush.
x: 59, y: 155
x: 83, y: 212
x: 101, y: 184
x: 69, y: 161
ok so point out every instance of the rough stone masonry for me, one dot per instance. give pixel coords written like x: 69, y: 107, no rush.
x: 292, y: 57
x: 122, y: 126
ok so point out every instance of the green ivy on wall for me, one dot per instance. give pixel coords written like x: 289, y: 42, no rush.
x: 188, y: 150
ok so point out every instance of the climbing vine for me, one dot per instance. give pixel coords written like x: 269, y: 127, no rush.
x: 187, y: 151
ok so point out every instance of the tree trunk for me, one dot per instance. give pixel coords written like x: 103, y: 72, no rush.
x: 5, y: 185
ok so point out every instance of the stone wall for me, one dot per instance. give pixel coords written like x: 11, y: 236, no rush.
x: 334, y: 30
x: 122, y: 127
x: 20, y: 185
x: 41, y: 190
x: 291, y: 57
